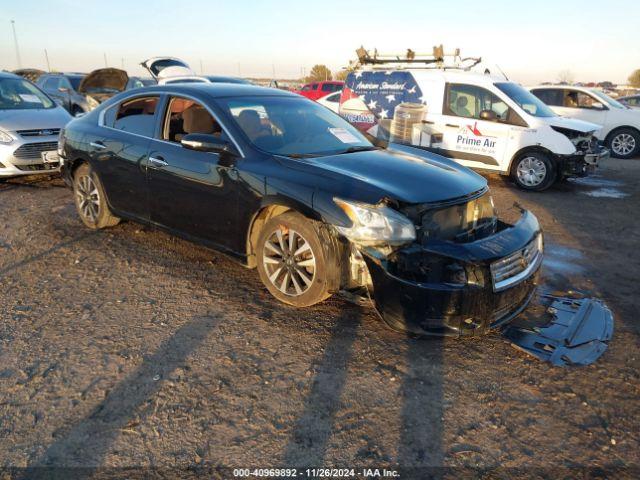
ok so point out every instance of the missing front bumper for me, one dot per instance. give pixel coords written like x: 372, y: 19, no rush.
x: 573, y: 331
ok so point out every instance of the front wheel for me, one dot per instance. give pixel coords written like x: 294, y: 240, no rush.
x: 90, y: 200
x: 293, y: 263
x: 624, y: 143
x: 533, y: 171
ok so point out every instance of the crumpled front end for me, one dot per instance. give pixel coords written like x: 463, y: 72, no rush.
x: 453, y: 286
x: 589, y: 153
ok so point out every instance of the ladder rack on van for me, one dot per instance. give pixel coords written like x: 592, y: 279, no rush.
x: 435, y: 59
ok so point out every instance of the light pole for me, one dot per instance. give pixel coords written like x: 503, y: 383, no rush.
x: 15, y: 42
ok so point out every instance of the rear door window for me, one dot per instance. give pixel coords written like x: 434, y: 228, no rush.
x: 550, y: 96
x: 137, y: 116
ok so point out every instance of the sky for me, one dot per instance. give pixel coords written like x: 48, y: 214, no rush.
x: 531, y: 41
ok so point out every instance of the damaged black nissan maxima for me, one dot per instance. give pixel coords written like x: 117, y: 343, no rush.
x: 290, y: 188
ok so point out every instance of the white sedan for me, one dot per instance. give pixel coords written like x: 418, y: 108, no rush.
x: 620, y: 125
x: 331, y: 101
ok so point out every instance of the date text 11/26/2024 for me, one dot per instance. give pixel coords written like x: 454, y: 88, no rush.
x: 315, y: 473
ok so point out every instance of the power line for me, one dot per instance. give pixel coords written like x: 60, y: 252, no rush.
x: 15, y: 42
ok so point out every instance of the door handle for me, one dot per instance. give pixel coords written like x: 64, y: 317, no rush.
x: 452, y: 125
x: 157, y: 162
x: 98, y: 145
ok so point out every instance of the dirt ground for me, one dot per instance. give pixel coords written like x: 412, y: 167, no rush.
x: 130, y: 348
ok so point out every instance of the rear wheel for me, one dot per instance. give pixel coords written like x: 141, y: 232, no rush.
x: 533, y: 171
x: 624, y: 143
x: 90, y: 199
x: 292, y: 262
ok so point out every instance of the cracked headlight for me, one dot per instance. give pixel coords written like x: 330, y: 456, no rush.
x: 5, y: 137
x: 375, y: 224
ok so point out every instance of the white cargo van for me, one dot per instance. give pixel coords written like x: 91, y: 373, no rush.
x: 480, y: 120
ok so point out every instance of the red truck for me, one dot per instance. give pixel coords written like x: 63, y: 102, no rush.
x: 316, y: 90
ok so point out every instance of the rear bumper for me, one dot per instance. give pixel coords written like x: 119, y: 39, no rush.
x: 413, y: 293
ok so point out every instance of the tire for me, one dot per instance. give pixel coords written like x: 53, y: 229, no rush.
x: 533, y: 171
x: 301, y: 279
x: 624, y: 143
x: 90, y: 199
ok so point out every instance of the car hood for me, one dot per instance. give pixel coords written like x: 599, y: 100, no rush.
x: 573, y: 124
x: 12, y: 120
x: 406, y: 177
x: 109, y: 78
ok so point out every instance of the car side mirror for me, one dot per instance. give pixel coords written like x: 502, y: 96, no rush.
x: 203, y: 142
x: 489, y: 115
x: 63, y: 89
x: 598, y: 106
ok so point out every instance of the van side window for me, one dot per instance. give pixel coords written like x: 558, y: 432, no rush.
x: 314, y: 86
x: 137, y: 116
x: 550, y: 96
x: 185, y: 116
x: 469, y: 100
x: 306, y: 88
x: 330, y: 87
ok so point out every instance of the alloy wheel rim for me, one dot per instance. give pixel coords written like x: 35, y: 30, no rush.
x: 531, y: 171
x: 289, y: 261
x: 623, y: 144
x: 88, y: 198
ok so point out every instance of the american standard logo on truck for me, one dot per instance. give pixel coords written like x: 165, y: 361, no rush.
x: 480, y: 120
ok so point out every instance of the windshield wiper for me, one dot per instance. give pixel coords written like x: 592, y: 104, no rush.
x: 300, y: 155
x: 361, y: 148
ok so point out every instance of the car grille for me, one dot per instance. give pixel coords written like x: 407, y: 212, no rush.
x: 33, y: 150
x: 514, y: 268
x: 40, y: 132
x: 38, y: 167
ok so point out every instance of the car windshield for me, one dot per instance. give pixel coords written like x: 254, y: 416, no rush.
x: 294, y: 126
x: 608, y: 100
x: 525, y: 99
x: 75, y: 80
x: 18, y: 94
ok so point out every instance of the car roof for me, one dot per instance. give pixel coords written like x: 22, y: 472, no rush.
x: 561, y: 87
x: 8, y: 75
x: 220, y: 90
x: 446, y: 75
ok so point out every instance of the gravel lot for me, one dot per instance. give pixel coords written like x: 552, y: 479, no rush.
x: 128, y: 347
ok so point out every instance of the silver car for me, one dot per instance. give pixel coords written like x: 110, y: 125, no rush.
x: 30, y: 122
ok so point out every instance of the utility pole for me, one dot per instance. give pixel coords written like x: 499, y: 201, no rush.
x: 105, y: 59
x: 46, y: 57
x: 15, y: 42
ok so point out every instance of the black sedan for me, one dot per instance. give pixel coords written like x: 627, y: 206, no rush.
x: 285, y: 185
